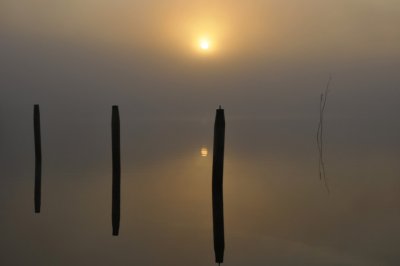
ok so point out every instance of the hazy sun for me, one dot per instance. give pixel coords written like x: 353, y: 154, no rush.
x: 204, y: 44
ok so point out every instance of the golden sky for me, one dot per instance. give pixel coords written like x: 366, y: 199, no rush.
x: 267, y: 63
x: 256, y: 28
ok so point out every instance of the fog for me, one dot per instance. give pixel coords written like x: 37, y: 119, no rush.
x: 269, y: 64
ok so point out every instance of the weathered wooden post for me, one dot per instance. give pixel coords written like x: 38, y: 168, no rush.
x: 217, y: 185
x: 116, y: 165
x: 38, y: 158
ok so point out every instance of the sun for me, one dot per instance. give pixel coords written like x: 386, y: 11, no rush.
x: 204, y: 44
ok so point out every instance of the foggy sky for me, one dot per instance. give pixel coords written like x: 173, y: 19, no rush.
x: 272, y: 60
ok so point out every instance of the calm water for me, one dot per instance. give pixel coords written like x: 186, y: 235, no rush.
x: 277, y: 211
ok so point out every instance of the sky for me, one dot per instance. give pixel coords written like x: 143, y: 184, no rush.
x: 267, y: 64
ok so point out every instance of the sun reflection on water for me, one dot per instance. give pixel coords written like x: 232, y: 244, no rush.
x: 204, y: 152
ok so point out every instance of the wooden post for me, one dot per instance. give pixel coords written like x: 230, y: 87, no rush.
x: 217, y: 185
x: 38, y: 157
x: 116, y: 164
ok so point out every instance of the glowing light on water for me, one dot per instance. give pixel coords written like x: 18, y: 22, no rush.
x: 204, y: 152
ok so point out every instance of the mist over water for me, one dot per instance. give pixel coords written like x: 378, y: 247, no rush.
x: 268, y: 80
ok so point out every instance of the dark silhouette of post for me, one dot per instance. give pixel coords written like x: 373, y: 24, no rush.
x: 116, y: 165
x: 38, y: 157
x: 217, y: 185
